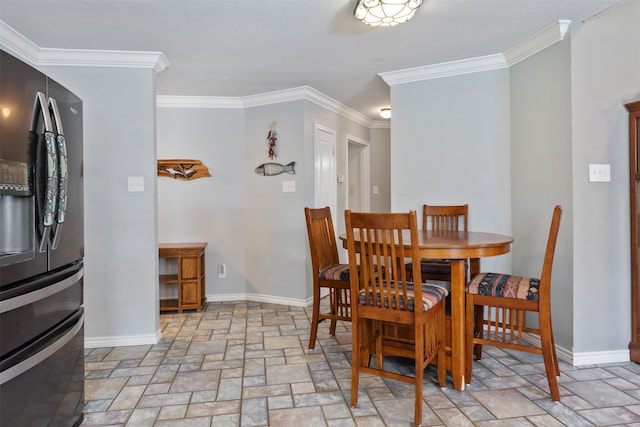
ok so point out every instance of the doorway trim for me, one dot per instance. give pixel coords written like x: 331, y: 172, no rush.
x: 362, y: 145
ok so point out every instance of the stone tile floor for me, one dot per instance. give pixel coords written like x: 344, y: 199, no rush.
x: 248, y: 364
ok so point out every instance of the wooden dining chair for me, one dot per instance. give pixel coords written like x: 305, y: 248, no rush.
x: 455, y: 217
x: 383, y: 298
x: 327, y: 272
x: 507, y: 298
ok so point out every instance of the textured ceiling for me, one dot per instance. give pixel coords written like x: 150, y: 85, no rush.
x: 248, y: 47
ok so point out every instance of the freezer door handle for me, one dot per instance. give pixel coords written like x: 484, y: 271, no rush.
x: 63, y: 172
x: 41, y: 109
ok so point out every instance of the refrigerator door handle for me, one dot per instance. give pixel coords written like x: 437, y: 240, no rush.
x: 41, y: 108
x: 63, y: 172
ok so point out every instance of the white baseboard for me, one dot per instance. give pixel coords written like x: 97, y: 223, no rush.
x: 601, y: 357
x: 584, y: 358
x: 296, y: 302
x: 123, y: 341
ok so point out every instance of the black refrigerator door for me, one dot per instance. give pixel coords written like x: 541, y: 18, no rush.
x: 67, y: 238
x: 40, y: 133
x: 19, y: 84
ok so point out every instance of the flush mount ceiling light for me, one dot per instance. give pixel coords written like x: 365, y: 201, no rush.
x: 385, y: 13
x: 385, y: 113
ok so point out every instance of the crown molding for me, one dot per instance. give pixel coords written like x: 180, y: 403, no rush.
x: 103, y: 58
x: 310, y: 94
x: 301, y: 93
x: 173, y: 101
x: 534, y: 44
x: 539, y: 41
x: 18, y: 45
x: 445, y: 69
x: 380, y: 124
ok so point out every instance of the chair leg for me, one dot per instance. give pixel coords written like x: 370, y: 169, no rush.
x: 477, y: 329
x: 314, y: 317
x: 550, y: 361
x: 553, y: 351
x: 419, y: 371
x: 355, y: 362
x: 442, y: 354
x: 470, y: 323
x: 334, y: 297
x: 442, y: 367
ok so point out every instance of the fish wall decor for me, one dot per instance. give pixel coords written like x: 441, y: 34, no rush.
x: 271, y: 169
x: 183, y: 169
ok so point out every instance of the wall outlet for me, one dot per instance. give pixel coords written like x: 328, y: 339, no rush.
x: 222, y: 271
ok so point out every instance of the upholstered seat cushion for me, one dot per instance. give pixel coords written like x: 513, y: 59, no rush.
x: 504, y: 285
x: 431, y: 294
x: 335, y: 272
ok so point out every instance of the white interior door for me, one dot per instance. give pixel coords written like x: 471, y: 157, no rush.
x: 325, y: 170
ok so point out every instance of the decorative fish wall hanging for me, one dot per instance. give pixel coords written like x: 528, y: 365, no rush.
x: 184, y: 169
x: 271, y: 169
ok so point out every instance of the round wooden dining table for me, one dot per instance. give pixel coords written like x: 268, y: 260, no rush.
x: 456, y: 246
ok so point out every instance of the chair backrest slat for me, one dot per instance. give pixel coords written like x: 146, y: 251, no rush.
x: 453, y: 217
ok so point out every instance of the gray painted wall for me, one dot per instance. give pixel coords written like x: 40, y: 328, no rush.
x: 605, y: 74
x: 208, y: 209
x: 120, y: 285
x: 541, y: 174
x: 274, y: 242
x: 450, y: 145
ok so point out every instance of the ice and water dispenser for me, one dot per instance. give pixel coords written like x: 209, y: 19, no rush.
x: 17, y: 213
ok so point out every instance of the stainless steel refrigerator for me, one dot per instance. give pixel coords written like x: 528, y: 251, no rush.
x: 41, y: 249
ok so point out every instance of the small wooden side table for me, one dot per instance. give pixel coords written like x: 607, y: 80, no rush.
x: 189, y: 276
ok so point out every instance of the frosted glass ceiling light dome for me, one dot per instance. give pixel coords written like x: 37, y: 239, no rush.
x: 385, y: 13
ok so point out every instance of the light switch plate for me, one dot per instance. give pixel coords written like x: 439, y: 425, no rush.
x: 288, y: 186
x: 599, y: 173
x: 136, y: 183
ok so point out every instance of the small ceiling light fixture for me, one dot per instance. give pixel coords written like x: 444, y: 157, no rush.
x: 385, y: 113
x: 385, y: 13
